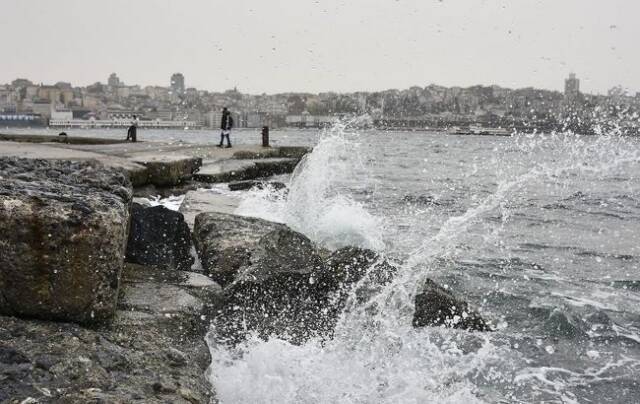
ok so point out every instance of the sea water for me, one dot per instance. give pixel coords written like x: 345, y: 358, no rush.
x: 538, y: 232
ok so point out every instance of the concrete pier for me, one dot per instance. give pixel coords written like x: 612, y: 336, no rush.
x: 161, y: 164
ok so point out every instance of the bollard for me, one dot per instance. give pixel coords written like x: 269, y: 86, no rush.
x: 265, y: 136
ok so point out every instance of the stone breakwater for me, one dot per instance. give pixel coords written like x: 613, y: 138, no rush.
x: 159, y: 168
x: 100, y: 300
x: 64, y: 229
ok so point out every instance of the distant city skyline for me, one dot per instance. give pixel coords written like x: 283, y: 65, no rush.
x: 178, y: 84
x: 313, y: 46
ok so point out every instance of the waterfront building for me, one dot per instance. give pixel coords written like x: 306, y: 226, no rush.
x: 113, y: 80
x: 123, y: 92
x: 160, y: 114
x: 177, y: 83
x: 64, y: 114
x: 63, y: 85
x: 17, y: 83
x: 572, y: 88
x: 212, y: 119
x: 54, y: 94
x: 42, y: 108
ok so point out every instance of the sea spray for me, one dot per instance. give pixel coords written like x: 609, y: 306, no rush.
x: 317, y: 202
x: 376, y: 356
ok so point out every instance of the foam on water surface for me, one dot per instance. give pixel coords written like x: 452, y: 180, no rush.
x: 376, y: 356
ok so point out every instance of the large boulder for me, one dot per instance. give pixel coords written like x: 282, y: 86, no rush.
x: 154, y: 350
x: 170, y: 170
x: 159, y: 237
x: 436, y: 306
x: 303, y: 299
x: 178, y: 303
x: 63, y: 231
x: 196, y: 202
x: 275, y: 292
x: 225, y: 243
x: 349, y: 265
x: 276, y: 280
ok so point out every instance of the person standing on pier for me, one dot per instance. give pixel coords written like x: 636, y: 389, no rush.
x: 132, y: 133
x: 226, y: 124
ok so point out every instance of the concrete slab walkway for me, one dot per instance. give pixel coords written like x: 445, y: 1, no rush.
x: 165, y: 164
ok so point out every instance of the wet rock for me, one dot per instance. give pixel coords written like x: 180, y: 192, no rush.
x: 283, y: 151
x: 281, y: 251
x: 225, y: 243
x: 153, y: 350
x: 287, y: 286
x: 436, y: 306
x: 159, y: 236
x: 349, y: 265
x: 176, y: 358
x: 240, y: 170
x: 189, y: 395
x: 559, y: 324
x: 251, y: 184
x: 45, y: 362
x: 9, y: 356
x: 151, y: 191
x: 267, y: 271
x: 293, y: 151
x: 164, y: 387
x: 64, y: 228
x: 196, y: 202
x: 164, y: 171
x: 177, y: 302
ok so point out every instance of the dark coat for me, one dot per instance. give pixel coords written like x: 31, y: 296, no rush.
x: 226, y: 123
x: 132, y: 133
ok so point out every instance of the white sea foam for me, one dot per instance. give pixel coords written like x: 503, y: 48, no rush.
x: 409, y: 368
x: 376, y: 356
x: 370, y: 360
x: 315, y: 204
x: 172, y: 202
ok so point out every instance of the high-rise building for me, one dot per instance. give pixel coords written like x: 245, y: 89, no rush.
x: 572, y: 88
x: 177, y: 83
x: 113, y: 81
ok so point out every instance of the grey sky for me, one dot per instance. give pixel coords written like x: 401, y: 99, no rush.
x: 305, y: 45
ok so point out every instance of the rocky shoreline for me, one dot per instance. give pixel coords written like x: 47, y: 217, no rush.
x: 130, y: 309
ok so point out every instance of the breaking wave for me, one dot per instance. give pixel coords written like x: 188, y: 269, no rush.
x: 376, y: 356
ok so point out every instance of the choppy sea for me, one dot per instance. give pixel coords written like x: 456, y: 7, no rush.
x: 540, y: 233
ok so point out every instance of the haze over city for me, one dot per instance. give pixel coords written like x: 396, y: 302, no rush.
x: 316, y: 46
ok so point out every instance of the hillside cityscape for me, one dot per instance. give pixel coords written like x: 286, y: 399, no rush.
x: 25, y: 103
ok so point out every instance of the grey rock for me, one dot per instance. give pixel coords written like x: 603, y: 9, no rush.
x: 63, y: 229
x: 560, y: 324
x: 153, y: 351
x: 159, y: 236
x: 278, y: 281
x: 9, y: 356
x: 283, y: 151
x: 240, y: 170
x: 165, y: 171
x: 176, y: 358
x: 164, y: 387
x: 196, y: 202
x: 251, y: 184
x: 436, y: 306
x: 225, y: 243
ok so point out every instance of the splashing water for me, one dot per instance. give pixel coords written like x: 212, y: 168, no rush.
x: 376, y: 356
x: 317, y: 205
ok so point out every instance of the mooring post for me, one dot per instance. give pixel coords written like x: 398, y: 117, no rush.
x: 265, y: 136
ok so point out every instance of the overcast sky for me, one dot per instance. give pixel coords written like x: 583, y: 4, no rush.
x: 324, y: 45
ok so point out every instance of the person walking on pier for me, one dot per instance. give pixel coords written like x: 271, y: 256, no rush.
x: 226, y: 124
